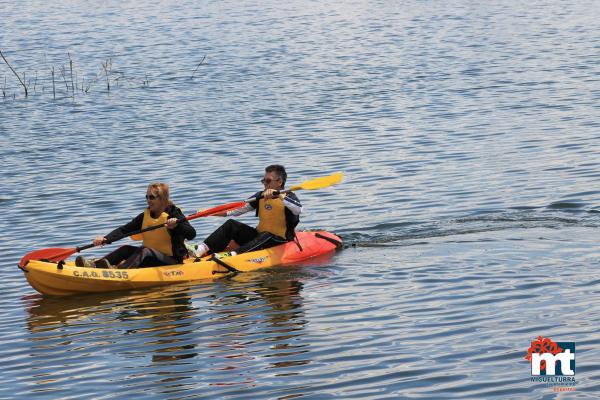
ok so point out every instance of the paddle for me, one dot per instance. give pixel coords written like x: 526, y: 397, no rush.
x: 55, y: 254
x: 313, y: 184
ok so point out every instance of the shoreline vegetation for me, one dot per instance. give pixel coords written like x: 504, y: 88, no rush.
x: 65, y: 81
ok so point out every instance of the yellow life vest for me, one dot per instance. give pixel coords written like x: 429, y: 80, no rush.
x: 271, y: 217
x: 158, y: 239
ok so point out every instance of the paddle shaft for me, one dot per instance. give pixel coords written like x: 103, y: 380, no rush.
x: 211, y: 211
x: 59, y: 254
x: 205, y: 213
x: 90, y: 245
x: 275, y: 193
x: 313, y: 184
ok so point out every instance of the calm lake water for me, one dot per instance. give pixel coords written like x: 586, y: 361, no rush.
x: 469, y: 136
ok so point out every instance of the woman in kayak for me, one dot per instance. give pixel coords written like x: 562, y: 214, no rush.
x: 278, y: 215
x: 163, y: 246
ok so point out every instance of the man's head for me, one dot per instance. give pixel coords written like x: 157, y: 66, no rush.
x: 275, y: 177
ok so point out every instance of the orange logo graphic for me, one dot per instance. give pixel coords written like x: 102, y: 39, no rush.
x: 541, y: 346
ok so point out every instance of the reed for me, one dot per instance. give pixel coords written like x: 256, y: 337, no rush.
x: 71, y: 68
x: 198, y: 66
x: 15, y: 72
x: 53, y: 85
x: 75, y: 80
x: 63, y: 72
x: 107, y: 67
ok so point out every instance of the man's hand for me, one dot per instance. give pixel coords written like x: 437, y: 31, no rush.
x: 270, y: 194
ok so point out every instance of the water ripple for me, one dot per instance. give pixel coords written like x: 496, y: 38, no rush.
x: 468, y: 137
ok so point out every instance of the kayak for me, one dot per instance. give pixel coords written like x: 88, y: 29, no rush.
x: 64, y: 278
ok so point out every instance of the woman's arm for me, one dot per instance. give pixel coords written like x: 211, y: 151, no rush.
x: 124, y: 230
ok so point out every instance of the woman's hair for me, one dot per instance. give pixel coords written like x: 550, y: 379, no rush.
x: 161, y: 190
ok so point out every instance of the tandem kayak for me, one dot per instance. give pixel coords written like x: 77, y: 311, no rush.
x: 64, y: 278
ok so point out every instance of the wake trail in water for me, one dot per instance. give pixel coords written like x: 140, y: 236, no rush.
x: 405, y: 233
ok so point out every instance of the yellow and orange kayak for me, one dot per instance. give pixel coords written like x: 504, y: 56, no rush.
x: 61, y: 279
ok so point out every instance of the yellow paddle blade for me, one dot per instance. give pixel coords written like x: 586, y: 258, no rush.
x: 320, y: 183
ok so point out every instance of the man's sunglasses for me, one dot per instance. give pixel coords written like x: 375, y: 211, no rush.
x: 268, y: 180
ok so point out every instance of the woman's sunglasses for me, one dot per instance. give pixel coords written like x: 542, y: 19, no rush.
x: 151, y: 197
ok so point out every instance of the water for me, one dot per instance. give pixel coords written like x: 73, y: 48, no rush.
x: 468, y: 134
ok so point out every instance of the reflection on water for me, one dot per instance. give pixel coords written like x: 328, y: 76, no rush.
x: 173, y: 333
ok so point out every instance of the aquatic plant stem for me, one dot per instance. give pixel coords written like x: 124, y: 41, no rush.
x: 14, y: 72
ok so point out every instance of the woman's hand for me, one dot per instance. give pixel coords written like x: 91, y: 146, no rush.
x: 171, y: 223
x: 99, y: 241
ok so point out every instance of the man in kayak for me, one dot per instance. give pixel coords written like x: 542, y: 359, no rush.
x: 278, y: 214
x: 163, y: 246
